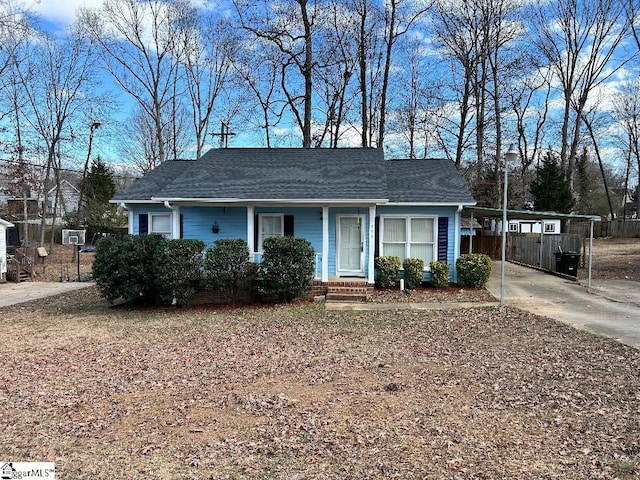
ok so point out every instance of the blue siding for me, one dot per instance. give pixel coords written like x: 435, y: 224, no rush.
x: 232, y: 222
x: 197, y: 223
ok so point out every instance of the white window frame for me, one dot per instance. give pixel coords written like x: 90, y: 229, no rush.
x: 549, y: 227
x: 407, y: 243
x: 261, y: 216
x: 166, y: 234
x: 514, y: 227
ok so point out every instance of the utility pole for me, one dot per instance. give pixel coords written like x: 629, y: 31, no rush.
x: 224, y: 134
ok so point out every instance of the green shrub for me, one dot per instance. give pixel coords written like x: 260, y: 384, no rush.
x: 439, y: 274
x: 146, y: 268
x: 387, y: 269
x: 413, y: 272
x: 225, y: 268
x: 287, y: 268
x: 473, y: 269
x: 178, y: 270
x: 124, y: 268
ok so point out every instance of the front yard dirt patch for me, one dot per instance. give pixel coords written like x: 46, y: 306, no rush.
x: 615, y: 259
x: 300, y: 392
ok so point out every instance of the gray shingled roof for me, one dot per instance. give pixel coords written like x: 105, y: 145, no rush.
x: 301, y: 174
x: 426, y: 181
x: 283, y: 174
x: 154, y: 181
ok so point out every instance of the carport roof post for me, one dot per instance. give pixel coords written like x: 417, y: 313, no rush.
x: 535, y: 215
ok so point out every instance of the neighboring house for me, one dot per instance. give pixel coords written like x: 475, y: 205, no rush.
x: 68, y: 200
x: 469, y: 227
x: 4, y: 225
x: 351, y: 204
x: 548, y: 227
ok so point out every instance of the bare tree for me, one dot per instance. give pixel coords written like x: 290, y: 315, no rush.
x: 589, y: 119
x: 627, y: 113
x: 207, y: 50
x: 577, y: 40
x: 529, y: 101
x: 257, y: 71
x: 289, y: 25
x: 57, y: 94
x: 367, y: 24
x: 335, y: 70
x: 138, y: 44
x: 456, y: 33
x: 400, y: 15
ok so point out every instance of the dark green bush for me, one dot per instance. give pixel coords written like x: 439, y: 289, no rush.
x: 387, y: 269
x: 439, y: 274
x: 124, y: 268
x: 226, y: 268
x: 287, y: 268
x: 178, y: 270
x: 413, y: 272
x: 473, y: 269
x: 146, y: 269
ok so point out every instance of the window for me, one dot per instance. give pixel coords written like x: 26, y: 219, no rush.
x: 270, y: 226
x: 160, y: 223
x: 513, y: 227
x: 549, y: 228
x: 408, y: 237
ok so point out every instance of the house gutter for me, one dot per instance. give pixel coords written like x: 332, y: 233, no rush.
x: 263, y: 201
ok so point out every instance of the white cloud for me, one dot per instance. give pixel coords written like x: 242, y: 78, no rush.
x: 63, y: 12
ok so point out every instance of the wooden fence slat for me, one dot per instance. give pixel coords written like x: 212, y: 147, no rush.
x: 526, y: 248
x: 540, y: 251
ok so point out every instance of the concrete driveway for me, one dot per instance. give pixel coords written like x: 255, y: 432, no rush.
x: 13, y: 293
x: 610, y: 308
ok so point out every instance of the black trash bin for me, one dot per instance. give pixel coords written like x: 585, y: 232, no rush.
x: 567, y: 263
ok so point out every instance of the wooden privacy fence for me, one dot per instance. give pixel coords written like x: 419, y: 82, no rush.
x: 489, y: 245
x: 530, y: 249
x: 539, y: 250
x: 607, y: 228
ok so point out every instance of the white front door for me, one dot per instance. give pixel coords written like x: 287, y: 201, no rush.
x: 350, y: 249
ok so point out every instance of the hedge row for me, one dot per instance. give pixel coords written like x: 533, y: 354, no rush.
x: 151, y: 269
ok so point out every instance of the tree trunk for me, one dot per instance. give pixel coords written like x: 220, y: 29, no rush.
x: 385, y: 77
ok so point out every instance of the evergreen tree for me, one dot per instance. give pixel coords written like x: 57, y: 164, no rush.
x: 550, y: 189
x: 100, y: 215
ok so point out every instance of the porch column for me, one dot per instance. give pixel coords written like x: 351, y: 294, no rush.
x: 175, y: 224
x: 456, y: 240
x: 372, y: 249
x: 471, y: 232
x: 131, y: 220
x: 325, y: 244
x: 250, y: 232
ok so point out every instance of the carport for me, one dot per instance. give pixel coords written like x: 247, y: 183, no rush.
x: 497, y: 214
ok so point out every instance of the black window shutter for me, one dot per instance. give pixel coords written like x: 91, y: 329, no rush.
x: 143, y: 223
x: 376, y: 238
x: 288, y: 225
x: 256, y: 233
x: 443, y: 238
x: 181, y: 225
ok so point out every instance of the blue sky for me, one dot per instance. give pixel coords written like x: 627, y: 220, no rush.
x: 59, y: 14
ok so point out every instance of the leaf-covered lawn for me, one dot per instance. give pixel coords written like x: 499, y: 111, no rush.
x: 299, y: 392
